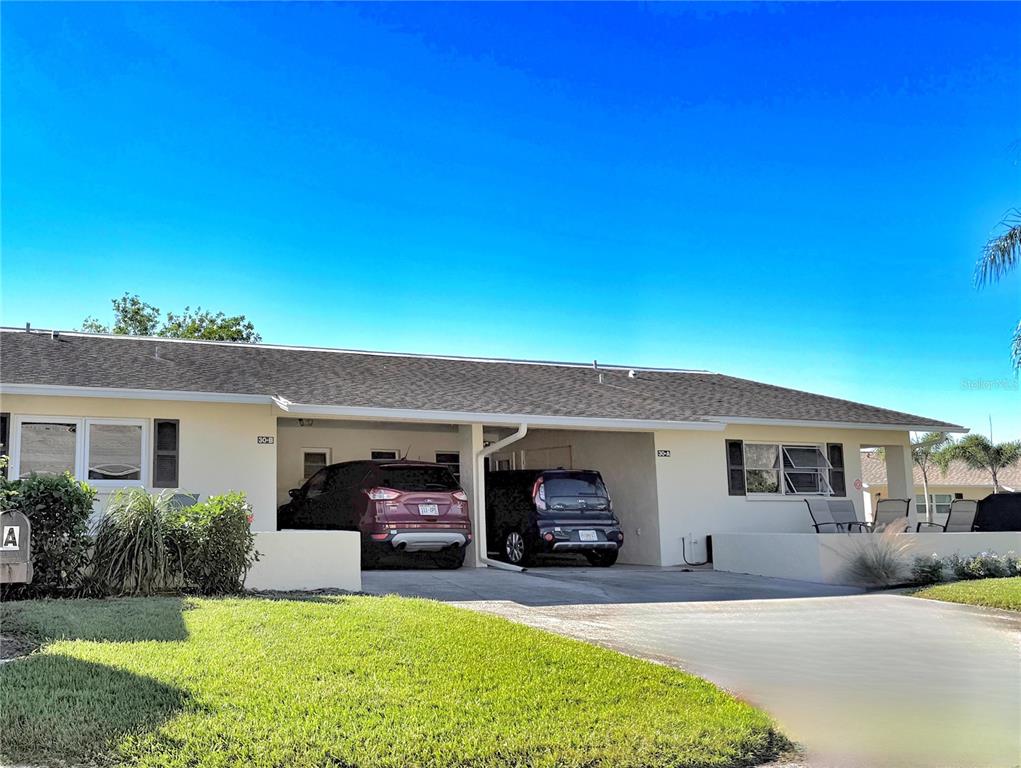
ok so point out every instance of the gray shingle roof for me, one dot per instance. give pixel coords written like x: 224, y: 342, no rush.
x: 380, y: 380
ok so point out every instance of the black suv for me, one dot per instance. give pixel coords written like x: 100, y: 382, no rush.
x: 551, y: 510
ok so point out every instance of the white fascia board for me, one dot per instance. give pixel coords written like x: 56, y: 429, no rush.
x: 55, y: 390
x: 495, y: 419
x: 835, y: 424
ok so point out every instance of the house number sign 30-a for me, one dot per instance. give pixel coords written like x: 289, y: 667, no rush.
x: 663, y: 454
x: 265, y: 439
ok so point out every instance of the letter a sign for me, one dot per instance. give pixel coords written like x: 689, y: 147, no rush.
x: 11, y: 538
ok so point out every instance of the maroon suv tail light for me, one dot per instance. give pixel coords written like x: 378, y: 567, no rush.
x: 460, y: 495
x: 383, y: 494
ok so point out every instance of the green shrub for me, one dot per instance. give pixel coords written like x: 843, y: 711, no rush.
x: 58, y: 508
x: 139, y: 547
x: 987, y: 565
x: 219, y: 544
x: 927, y: 570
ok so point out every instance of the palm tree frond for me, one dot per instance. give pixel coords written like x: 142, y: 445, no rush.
x: 1002, y: 253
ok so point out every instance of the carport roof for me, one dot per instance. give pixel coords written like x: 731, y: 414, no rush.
x: 299, y: 378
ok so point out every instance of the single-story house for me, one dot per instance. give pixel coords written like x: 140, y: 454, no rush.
x: 685, y: 453
x: 959, y: 482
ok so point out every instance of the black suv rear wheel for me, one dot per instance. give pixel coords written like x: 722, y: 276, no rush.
x: 516, y: 549
x: 602, y: 558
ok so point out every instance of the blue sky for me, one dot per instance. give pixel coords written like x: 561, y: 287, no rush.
x: 795, y: 194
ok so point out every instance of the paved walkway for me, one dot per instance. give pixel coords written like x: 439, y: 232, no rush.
x: 863, y: 680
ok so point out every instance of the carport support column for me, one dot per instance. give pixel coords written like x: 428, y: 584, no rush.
x: 469, y: 444
x: 900, y: 478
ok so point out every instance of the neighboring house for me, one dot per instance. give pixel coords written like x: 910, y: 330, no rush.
x: 959, y: 482
x: 685, y: 454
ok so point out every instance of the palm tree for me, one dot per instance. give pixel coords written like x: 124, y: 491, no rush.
x: 999, y: 256
x: 924, y: 452
x: 978, y: 452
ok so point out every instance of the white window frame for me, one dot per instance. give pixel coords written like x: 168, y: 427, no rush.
x: 329, y: 460
x: 455, y: 473
x: 920, y: 503
x: 143, y: 472
x: 80, y: 471
x: 782, y: 448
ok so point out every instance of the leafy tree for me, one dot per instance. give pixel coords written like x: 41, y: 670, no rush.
x: 978, y: 452
x: 1000, y: 255
x: 201, y: 324
x: 134, y: 317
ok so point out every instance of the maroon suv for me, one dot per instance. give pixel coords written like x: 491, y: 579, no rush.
x: 398, y: 506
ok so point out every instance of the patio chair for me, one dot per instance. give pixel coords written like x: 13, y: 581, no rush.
x: 845, y: 514
x: 184, y: 500
x: 822, y: 514
x: 961, y: 518
x: 891, y: 512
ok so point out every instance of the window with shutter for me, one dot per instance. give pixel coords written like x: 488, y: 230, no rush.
x: 5, y: 445
x: 838, y: 483
x: 166, y: 453
x: 735, y: 468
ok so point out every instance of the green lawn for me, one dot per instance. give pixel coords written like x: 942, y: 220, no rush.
x: 357, y: 681
x: 990, y: 593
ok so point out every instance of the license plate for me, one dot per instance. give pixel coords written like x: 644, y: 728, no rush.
x: 587, y: 536
x: 428, y: 509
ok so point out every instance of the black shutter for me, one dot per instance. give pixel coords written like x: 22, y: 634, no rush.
x: 835, y: 453
x: 5, y: 445
x: 166, y: 443
x: 735, y: 468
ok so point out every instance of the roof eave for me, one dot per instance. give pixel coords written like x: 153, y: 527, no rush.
x: 903, y: 427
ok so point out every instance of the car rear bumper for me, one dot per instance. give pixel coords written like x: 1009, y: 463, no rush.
x: 426, y: 541
x: 583, y: 546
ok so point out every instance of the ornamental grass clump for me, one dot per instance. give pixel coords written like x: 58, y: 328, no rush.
x: 878, y: 559
x: 139, y: 545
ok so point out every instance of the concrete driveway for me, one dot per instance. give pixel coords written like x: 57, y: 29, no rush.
x: 864, y: 680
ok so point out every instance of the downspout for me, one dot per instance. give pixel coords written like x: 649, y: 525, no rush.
x: 480, y: 498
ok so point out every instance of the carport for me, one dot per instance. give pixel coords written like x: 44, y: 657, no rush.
x: 624, y: 452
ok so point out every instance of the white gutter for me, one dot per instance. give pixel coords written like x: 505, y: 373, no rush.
x: 835, y: 424
x: 481, y: 541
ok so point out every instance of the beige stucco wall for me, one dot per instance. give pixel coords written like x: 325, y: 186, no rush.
x: 626, y: 460
x: 218, y: 442
x: 348, y: 441
x: 692, y: 484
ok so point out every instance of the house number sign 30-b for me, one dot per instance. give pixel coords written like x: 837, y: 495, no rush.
x: 265, y: 439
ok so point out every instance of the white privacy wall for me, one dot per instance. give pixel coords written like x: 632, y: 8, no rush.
x: 295, y: 560
x: 824, y: 557
x: 692, y: 484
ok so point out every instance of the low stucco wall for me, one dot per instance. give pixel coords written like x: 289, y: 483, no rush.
x: 293, y: 560
x: 823, y: 557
